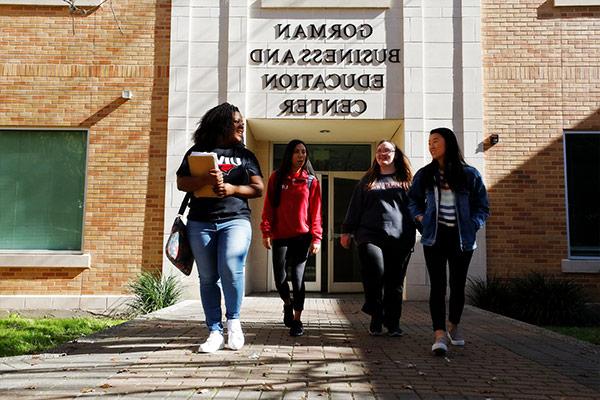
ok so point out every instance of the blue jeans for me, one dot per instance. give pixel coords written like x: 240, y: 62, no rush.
x: 220, y: 250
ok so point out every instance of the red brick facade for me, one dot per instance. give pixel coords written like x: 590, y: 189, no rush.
x: 58, y: 71
x: 541, y: 76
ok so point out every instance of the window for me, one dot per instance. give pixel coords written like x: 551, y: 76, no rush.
x: 42, y: 183
x: 332, y: 157
x: 79, y: 3
x: 559, y: 3
x: 325, y: 4
x: 582, y: 174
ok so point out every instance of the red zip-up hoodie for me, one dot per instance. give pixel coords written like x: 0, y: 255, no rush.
x: 299, y: 210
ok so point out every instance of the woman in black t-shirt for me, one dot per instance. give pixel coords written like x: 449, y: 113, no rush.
x: 219, y: 227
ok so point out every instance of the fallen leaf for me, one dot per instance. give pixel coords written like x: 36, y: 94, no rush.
x: 266, y: 387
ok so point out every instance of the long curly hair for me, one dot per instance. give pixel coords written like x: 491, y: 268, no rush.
x: 286, y: 166
x: 403, y: 171
x: 215, y: 126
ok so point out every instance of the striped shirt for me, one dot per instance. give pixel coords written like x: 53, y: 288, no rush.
x: 447, y: 215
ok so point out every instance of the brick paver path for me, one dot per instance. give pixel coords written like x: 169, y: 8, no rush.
x: 155, y: 357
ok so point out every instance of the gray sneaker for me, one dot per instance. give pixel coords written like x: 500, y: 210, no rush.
x: 440, y: 346
x: 455, y: 336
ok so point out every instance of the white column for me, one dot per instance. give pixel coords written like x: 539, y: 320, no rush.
x: 443, y: 87
x: 208, y: 67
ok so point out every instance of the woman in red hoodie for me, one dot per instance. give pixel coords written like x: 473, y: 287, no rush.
x: 291, y: 227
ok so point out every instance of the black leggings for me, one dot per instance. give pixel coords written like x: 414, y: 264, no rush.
x: 293, y: 253
x: 383, y: 271
x: 446, y: 249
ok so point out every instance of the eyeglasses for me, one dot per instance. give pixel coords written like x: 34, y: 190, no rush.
x: 385, y: 151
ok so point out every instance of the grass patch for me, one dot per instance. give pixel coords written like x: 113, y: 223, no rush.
x: 20, y: 335
x: 586, y: 333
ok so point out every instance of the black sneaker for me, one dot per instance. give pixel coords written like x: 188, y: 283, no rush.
x: 376, y: 327
x: 296, y: 329
x: 395, y: 332
x: 288, y: 315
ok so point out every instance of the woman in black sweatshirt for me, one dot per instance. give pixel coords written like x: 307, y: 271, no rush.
x: 379, y: 222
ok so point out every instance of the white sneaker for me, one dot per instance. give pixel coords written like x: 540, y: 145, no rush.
x: 456, y: 337
x: 213, y: 343
x: 440, y: 346
x: 235, y: 336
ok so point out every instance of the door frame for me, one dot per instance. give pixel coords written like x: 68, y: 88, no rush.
x: 336, y: 287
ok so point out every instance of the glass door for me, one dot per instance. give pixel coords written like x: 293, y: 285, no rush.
x: 344, y: 265
x: 312, y: 272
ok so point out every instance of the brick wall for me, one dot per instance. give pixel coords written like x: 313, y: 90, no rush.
x: 541, y: 76
x: 59, y: 71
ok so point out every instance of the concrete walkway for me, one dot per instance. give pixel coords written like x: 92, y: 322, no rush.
x: 155, y: 357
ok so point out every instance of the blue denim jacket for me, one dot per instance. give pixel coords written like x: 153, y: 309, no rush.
x: 471, y: 204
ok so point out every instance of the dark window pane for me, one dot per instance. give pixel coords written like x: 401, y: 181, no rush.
x: 332, y: 157
x: 346, y: 266
x: 42, y: 178
x: 583, y: 188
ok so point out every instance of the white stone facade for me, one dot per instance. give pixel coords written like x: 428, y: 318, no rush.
x: 436, y: 82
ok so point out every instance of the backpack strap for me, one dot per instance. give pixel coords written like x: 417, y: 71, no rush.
x: 309, y: 181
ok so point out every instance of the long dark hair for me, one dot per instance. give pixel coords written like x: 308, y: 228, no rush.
x: 403, y: 172
x: 454, y: 162
x: 215, y: 126
x: 285, y: 168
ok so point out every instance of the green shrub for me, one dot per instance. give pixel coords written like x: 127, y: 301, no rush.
x: 544, y: 300
x: 492, y: 295
x: 152, y: 292
x: 534, y: 298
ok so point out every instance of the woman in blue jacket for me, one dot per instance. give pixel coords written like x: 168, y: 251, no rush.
x: 449, y: 203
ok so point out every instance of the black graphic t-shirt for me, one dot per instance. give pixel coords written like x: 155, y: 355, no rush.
x: 238, y: 164
x: 379, y: 212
